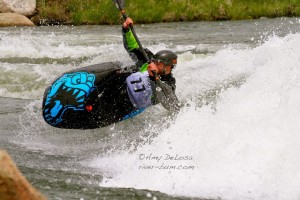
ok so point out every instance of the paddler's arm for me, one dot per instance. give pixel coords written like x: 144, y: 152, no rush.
x: 131, y: 45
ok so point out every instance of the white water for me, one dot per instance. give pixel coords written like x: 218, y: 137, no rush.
x: 242, y: 145
x: 245, y: 148
x: 31, y: 58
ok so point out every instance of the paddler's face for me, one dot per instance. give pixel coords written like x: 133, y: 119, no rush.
x: 163, y: 69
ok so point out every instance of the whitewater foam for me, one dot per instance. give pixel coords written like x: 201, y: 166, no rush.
x: 245, y: 148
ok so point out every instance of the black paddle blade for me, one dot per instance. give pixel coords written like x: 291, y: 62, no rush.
x: 167, y: 97
x: 120, y: 4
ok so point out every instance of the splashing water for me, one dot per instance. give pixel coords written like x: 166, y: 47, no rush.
x: 245, y: 148
x: 236, y: 138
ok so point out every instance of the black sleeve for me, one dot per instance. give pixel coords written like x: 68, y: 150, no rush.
x: 136, y: 54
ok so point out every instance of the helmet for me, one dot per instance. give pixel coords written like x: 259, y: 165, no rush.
x: 167, y: 57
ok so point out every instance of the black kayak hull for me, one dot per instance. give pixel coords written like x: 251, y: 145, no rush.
x: 89, y: 97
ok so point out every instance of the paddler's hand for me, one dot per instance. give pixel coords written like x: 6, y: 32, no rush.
x: 152, y: 68
x: 127, y: 23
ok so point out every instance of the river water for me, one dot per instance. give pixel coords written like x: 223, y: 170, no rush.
x: 236, y: 138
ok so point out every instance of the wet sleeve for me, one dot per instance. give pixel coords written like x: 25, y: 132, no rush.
x: 132, y: 47
x: 129, y: 41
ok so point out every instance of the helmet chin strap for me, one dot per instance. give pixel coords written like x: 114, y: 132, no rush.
x: 164, y: 71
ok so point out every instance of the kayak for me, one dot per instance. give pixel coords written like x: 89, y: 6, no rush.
x: 89, y: 97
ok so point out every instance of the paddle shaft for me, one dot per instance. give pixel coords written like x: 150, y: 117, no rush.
x: 120, y: 7
x: 160, y: 84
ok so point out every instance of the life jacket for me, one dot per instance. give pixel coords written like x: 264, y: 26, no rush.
x: 139, y: 89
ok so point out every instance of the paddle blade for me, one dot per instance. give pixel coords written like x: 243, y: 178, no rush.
x: 167, y: 97
x: 120, y: 4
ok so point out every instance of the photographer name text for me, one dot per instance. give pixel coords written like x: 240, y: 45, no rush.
x: 162, y: 162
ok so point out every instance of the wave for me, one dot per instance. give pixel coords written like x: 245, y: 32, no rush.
x: 242, y: 145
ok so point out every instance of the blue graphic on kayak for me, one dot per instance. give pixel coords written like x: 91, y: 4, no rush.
x: 67, y: 92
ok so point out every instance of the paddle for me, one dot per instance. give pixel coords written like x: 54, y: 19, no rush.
x: 166, y: 95
x: 121, y: 6
x: 164, y: 92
